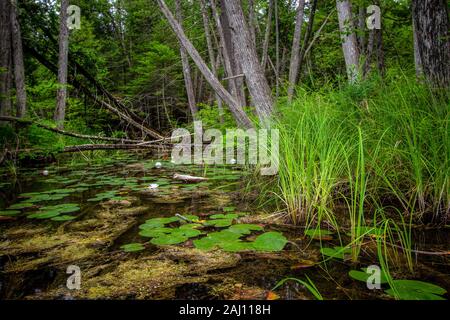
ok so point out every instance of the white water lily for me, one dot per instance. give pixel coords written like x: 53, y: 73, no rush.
x: 153, y: 186
x: 233, y: 161
x: 158, y: 165
x: 45, y: 173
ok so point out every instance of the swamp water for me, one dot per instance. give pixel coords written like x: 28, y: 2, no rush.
x: 132, y: 241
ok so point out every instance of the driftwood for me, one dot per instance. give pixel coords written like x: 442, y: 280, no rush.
x: 66, y: 133
x: 91, y: 147
x: 187, y: 178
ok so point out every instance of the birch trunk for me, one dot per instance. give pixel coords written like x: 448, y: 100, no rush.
x: 349, y: 41
x: 60, y: 112
x: 254, y: 75
x: 186, y: 68
x: 265, y: 52
x: 240, y: 116
x: 5, y: 59
x: 295, y: 52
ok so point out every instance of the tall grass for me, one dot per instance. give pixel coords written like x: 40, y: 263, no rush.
x: 380, y: 144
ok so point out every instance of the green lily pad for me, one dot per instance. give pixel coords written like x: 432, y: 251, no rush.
x: 21, y: 205
x: 154, y: 232
x: 169, y: 239
x: 236, y: 246
x: 133, y: 247
x: 44, y: 215
x: 270, y: 241
x: 224, y: 216
x: 219, y: 223
x: 9, y: 213
x: 244, y: 228
x: 416, y: 290
x: 63, y: 218
x: 205, y: 244
x: 229, y: 209
x: 363, y: 276
x: 316, y: 232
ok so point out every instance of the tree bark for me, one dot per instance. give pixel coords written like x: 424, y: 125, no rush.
x: 308, y: 34
x: 19, y: 69
x: 349, y: 41
x: 237, y: 111
x: 60, y: 112
x: 254, y: 74
x: 265, y: 52
x: 211, y: 54
x: 295, y: 52
x: 186, y: 67
x: 252, y: 20
x: 5, y: 58
x: 432, y: 25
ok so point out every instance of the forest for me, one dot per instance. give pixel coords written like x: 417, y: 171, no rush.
x: 224, y: 150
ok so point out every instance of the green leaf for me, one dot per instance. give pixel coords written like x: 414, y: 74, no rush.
x: 44, y: 215
x: 270, y: 241
x: 317, y: 232
x: 133, y: 247
x: 407, y: 294
x: 363, y: 276
x: 63, y: 218
x: 169, y: 239
x: 224, y: 216
x: 244, y: 228
x: 219, y: 223
x: 21, y: 205
x: 9, y: 213
x: 415, y: 285
x: 205, y: 244
x: 336, y: 252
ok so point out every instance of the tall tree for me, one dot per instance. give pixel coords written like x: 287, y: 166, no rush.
x: 186, y: 67
x: 265, y: 53
x: 254, y: 74
x: 431, y: 28
x: 212, y: 59
x: 295, y: 52
x: 349, y: 41
x: 60, y: 111
x: 19, y: 69
x: 240, y: 116
x: 5, y: 58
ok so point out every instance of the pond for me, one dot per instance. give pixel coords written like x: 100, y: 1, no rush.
x: 137, y: 233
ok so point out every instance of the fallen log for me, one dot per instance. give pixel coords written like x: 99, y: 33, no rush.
x: 66, y: 133
x: 91, y: 147
x: 187, y: 178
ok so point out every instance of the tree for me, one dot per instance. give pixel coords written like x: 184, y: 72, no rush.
x: 60, y: 111
x: 5, y: 58
x: 349, y: 41
x: 432, y: 41
x: 186, y: 67
x: 240, y: 116
x: 254, y: 75
x: 19, y: 69
x: 295, y: 52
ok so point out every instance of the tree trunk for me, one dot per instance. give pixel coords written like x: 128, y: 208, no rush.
x: 308, y: 34
x: 254, y: 75
x: 295, y: 52
x: 252, y: 20
x: 349, y: 41
x: 235, y: 63
x: 432, y: 25
x: 19, y: 69
x: 212, y: 58
x: 60, y: 112
x: 5, y: 58
x: 186, y: 67
x: 237, y: 111
x: 265, y: 52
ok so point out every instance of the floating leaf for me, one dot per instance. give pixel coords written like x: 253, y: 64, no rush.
x: 416, y: 290
x: 224, y: 216
x: 364, y: 276
x: 235, y: 246
x: 133, y: 247
x: 219, y: 223
x: 270, y: 241
x: 21, y: 205
x: 44, y: 215
x: 63, y: 218
x: 9, y: 213
x: 244, y: 228
x: 169, y: 239
x: 205, y: 244
x: 154, y: 232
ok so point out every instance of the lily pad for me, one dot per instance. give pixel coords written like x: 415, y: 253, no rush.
x: 21, y: 205
x: 9, y: 213
x: 363, y: 276
x: 63, y: 218
x: 224, y: 216
x: 244, y: 228
x: 416, y: 290
x: 219, y: 223
x: 169, y: 239
x: 44, y: 215
x: 336, y: 252
x: 133, y: 247
x: 270, y: 241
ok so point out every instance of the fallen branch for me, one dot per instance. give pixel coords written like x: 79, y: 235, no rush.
x: 187, y: 178
x: 66, y: 133
x: 91, y: 147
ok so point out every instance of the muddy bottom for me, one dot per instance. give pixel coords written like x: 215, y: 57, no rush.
x: 109, y: 202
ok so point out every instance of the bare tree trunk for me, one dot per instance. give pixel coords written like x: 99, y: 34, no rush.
x: 237, y: 111
x: 265, y: 52
x: 252, y: 20
x: 212, y: 58
x: 19, y: 69
x: 295, y: 52
x: 254, y: 75
x: 350, y: 43
x: 417, y: 58
x: 308, y: 34
x: 5, y: 58
x: 432, y: 25
x: 277, y: 51
x: 232, y: 85
x: 186, y: 67
x: 235, y: 63
x: 60, y: 112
